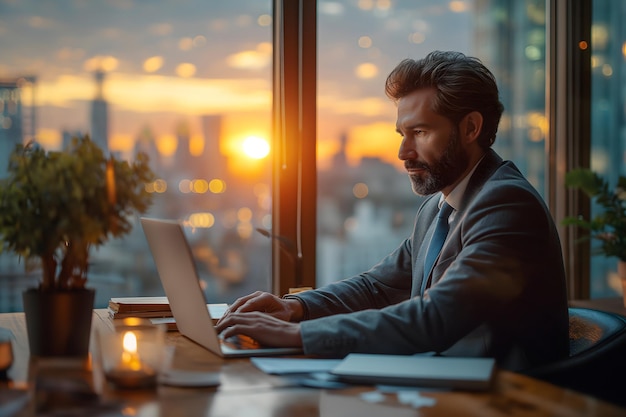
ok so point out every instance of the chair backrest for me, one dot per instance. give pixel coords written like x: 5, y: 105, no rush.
x: 597, y: 359
x: 591, y: 332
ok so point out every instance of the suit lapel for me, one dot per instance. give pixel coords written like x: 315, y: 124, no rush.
x: 485, y: 169
x: 423, y: 232
x: 487, y: 166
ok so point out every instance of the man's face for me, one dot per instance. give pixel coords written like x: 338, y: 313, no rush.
x: 431, y: 149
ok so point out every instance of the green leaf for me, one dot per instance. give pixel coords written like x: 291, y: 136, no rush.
x: 51, y: 198
x: 608, y: 226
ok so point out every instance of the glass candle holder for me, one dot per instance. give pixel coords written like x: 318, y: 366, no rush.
x: 6, y: 354
x: 133, y: 356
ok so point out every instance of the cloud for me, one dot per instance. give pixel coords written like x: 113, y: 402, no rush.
x: 155, y: 93
x: 367, y: 106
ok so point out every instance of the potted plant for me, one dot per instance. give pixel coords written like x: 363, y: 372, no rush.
x: 56, y: 206
x: 608, y: 226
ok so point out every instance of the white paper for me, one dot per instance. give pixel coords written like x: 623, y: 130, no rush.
x: 281, y: 366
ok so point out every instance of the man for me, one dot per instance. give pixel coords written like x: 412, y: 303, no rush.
x: 497, y: 288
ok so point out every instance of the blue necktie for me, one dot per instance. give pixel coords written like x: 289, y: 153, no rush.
x: 436, y: 241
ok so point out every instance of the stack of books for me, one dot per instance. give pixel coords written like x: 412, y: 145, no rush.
x: 146, y: 307
x: 157, y: 309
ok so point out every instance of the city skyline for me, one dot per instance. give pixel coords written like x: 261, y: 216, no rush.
x: 144, y: 48
x: 166, y: 65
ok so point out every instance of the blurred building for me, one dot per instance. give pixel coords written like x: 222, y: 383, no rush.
x: 17, y: 125
x: 503, y: 28
x: 17, y: 119
x: 608, y: 121
x: 145, y: 143
x: 100, y: 115
x: 211, y: 160
x: 364, y: 212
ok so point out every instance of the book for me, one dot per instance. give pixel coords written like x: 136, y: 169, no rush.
x: 155, y: 308
x: 140, y: 314
x: 143, y: 307
x: 138, y: 304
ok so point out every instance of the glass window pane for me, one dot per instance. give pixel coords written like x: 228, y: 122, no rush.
x: 608, y: 121
x: 189, y: 83
x: 366, y: 206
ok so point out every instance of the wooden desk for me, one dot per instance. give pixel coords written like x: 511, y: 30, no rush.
x: 246, y: 391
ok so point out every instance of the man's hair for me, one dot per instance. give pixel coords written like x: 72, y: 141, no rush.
x: 463, y: 85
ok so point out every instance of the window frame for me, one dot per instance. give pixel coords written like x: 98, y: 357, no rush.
x: 568, y: 69
x: 294, y: 212
x: 568, y: 95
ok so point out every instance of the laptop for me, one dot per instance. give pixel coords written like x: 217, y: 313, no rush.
x: 178, y: 274
x: 419, y: 370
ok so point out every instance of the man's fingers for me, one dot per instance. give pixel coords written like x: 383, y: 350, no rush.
x: 232, y: 319
x: 250, y: 320
x: 263, y: 302
x: 234, y: 307
x: 239, y: 303
x: 263, y: 328
x: 241, y: 323
x: 259, y: 301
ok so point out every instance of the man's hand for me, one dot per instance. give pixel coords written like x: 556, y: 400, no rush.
x: 283, y: 309
x: 264, y: 328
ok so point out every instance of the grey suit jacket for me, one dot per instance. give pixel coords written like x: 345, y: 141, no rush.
x: 497, y: 289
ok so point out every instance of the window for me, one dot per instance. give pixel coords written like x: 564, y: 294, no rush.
x: 173, y: 79
x: 608, y: 119
x: 365, y: 204
x: 189, y: 83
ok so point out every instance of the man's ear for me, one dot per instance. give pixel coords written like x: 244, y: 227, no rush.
x: 471, y: 126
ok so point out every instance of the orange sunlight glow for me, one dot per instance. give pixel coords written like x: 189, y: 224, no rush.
x: 217, y: 186
x: 121, y: 142
x: 378, y: 140
x: 366, y: 70
x: 105, y: 63
x: 458, y: 6
x: 185, y: 70
x: 153, y: 64
x: 252, y: 59
x: 325, y: 150
x: 256, y: 147
x: 236, y: 128
x: 196, y: 145
x: 49, y: 138
x: 145, y: 93
x: 167, y: 144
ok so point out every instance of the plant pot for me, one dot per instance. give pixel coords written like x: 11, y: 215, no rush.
x: 58, y: 322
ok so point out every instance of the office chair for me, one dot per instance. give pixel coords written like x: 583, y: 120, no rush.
x: 597, y: 360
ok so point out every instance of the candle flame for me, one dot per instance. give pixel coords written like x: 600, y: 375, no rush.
x: 130, y: 358
x: 130, y: 342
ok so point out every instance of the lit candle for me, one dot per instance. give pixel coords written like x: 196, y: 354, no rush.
x: 130, y: 358
x: 131, y: 372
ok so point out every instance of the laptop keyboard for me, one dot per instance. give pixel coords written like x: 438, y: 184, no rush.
x: 241, y: 342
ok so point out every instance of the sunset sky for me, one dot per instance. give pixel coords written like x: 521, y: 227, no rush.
x: 168, y: 63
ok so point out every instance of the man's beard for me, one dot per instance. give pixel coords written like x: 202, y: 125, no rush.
x: 442, y: 173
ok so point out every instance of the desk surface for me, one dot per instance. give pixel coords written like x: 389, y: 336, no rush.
x: 246, y: 391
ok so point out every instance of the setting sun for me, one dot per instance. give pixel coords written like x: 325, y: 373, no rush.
x: 256, y: 147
